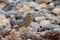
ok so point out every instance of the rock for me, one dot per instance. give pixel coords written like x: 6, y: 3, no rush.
x: 26, y: 31
x: 50, y: 6
x: 19, y: 39
x: 43, y: 5
x: 24, y: 8
x: 45, y: 1
x: 18, y: 21
x: 56, y: 0
x: 1, y: 6
x: 12, y: 37
x: 56, y: 10
x: 32, y: 4
x: 9, y: 7
x: 20, y: 16
x: 58, y: 19
x: 35, y: 25
x: 4, y: 39
x: 17, y: 34
x: 57, y: 29
x: 43, y: 33
x: 4, y: 21
x: 46, y: 24
x: 51, y: 26
x: 37, y: 34
x: 42, y: 23
x: 11, y: 0
x: 38, y: 19
x: 1, y: 30
x: 28, y: 39
x: 5, y: 1
x: 56, y: 3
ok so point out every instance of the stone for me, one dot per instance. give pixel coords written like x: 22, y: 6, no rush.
x: 42, y: 23
x: 38, y: 19
x: 56, y: 10
x: 28, y: 39
x: 3, y: 20
x: 9, y: 6
x: 45, y: 1
x: 5, y: 1
x: 46, y: 24
x: 24, y: 8
x: 1, y: 30
x: 34, y: 26
x: 42, y: 5
x: 1, y: 6
x: 33, y: 4
x: 57, y: 29
x: 4, y: 39
x: 12, y: 37
x: 58, y: 19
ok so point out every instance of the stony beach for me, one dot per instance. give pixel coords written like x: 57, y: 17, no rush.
x: 29, y: 19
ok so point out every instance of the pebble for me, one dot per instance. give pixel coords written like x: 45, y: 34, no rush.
x: 42, y: 23
x: 24, y: 9
x: 46, y: 24
x: 56, y: 10
x: 57, y: 29
x: 4, y: 21
x: 45, y: 1
x: 32, y: 4
x: 1, y: 29
x: 39, y: 18
x: 42, y: 5
x: 28, y: 39
x: 58, y: 19
x: 9, y: 6
x: 35, y: 25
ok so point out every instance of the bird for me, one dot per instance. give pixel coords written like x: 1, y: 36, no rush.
x: 27, y: 20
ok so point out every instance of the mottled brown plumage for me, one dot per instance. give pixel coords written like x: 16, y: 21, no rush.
x: 26, y: 22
